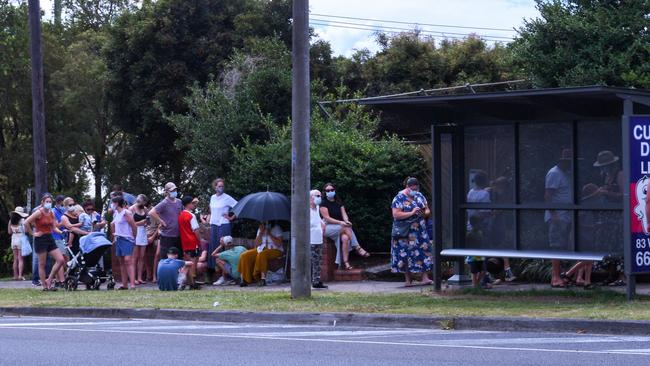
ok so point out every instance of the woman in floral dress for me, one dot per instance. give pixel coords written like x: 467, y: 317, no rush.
x: 411, y: 253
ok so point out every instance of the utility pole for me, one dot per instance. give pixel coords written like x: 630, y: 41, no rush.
x: 300, y: 170
x: 38, y: 109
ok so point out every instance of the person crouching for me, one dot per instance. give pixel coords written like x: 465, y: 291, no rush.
x: 169, y: 270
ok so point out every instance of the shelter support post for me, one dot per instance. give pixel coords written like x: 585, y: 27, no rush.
x: 460, y: 278
x: 436, y: 198
x: 628, y: 110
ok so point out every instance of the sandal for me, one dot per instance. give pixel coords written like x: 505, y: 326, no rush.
x: 617, y: 283
x: 362, y: 252
x: 347, y: 266
x: 589, y: 286
x: 122, y: 288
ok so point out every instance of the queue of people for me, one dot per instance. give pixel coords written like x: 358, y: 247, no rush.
x: 183, y: 246
x: 201, y: 250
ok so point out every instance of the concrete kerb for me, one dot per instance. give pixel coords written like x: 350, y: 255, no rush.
x: 624, y: 327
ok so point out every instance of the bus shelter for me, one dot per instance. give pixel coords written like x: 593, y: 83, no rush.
x: 544, y: 173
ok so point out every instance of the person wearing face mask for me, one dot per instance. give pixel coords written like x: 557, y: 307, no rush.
x: 410, y: 244
x: 338, y: 227
x: 167, y: 212
x: 139, y: 210
x: 220, y: 218
x: 70, y: 220
x: 316, y: 228
x: 41, y: 224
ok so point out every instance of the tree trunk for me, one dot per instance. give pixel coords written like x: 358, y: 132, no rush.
x: 99, y: 173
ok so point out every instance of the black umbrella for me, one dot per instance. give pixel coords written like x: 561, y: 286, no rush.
x: 264, y: 206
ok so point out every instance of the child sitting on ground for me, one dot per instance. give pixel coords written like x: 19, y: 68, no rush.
x: 473, y: 239
x: 169, y: 270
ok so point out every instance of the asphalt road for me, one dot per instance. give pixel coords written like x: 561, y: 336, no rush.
x: 83, y: 341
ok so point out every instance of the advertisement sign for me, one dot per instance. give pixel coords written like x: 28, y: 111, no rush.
x: 639, y: 200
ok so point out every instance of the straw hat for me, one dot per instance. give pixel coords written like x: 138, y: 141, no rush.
x: 20, y: 211
x: 605, y: 158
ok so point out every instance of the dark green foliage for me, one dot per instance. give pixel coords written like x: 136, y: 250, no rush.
x: 586, y: 42
x: 160, y: 50
x: 410, y: 62
x: 366, y: 170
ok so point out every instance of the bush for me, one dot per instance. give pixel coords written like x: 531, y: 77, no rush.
x: 367, y: 171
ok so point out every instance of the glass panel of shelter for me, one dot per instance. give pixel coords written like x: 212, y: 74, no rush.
x: 543, y: 173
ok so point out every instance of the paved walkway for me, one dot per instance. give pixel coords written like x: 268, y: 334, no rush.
x: 370, y: 287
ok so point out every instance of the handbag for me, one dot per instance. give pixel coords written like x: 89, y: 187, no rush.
x: 400, y: 229
x: 26, y: 248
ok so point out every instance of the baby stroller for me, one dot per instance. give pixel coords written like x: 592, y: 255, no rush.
x: 84, y: 266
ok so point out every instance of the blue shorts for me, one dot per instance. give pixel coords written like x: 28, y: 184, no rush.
x: 124, y: 246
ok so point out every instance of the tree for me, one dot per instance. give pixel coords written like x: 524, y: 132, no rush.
x: 81, y: 86
x: 410, y: 62
x: 93, y: 14
x: 367, y: 170
x: 223, y: 113
x: 158, y: 52
x: 586, y: 42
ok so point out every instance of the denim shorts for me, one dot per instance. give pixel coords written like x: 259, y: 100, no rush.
x: 124, y: 246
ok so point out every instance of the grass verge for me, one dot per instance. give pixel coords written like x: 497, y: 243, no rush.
x: 599, y: 304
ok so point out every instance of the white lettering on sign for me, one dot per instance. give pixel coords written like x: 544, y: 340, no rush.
x: 645, y: 167
x: 645, y: 148
x: 641, y: 132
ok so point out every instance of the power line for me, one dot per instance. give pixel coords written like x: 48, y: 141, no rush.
x: 407, y: 29
x: 414, y: 23
x: 378, y: 29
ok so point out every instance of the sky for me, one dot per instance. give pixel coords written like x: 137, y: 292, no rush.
x: 345, y: 39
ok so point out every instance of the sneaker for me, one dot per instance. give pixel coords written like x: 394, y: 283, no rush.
x: 243, y: 284
x: 219, y: 282
x: 510, y: 276
x: 231, y: 283
x: 262, y: 283
x: 319, y: 285
x: 36, y: 283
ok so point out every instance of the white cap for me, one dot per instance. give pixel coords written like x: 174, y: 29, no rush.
x: 227, y: 239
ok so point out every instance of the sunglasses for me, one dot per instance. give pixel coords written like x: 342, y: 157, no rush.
x: 71, y: 205
x: 329, y: 190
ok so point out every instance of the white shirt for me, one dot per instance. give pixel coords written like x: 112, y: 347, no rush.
x: 315, y: 228
x: 267, y: 242
x: 220, y: 205
x: 194, y: 223
x: 560, y: 182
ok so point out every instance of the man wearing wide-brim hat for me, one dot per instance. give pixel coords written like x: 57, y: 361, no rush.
x: 611, y: 175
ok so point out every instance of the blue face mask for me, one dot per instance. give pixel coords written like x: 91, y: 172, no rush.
x: 173, y: 194
x: 412, y: 192
x: 317, y: 201
x: 47, y: 205
x: 330, y: 194
x: 219, y: 190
